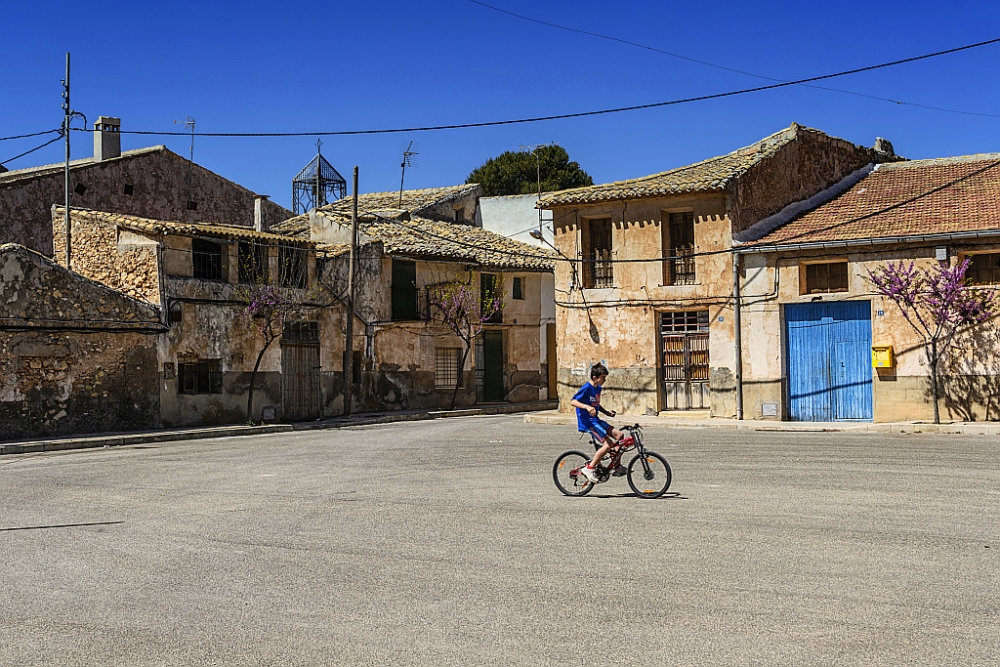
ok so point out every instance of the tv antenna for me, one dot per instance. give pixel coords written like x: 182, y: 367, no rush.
x: 406, y: 160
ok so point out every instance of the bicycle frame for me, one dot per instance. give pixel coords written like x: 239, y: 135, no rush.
x: 631, y: 440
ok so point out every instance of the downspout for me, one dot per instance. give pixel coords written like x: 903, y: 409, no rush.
x: 737, y: 334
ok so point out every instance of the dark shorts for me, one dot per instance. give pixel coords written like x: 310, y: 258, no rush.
x: 599, y: 428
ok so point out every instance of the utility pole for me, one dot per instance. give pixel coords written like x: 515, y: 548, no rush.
x: 349, y: 344
x: 66, y: 119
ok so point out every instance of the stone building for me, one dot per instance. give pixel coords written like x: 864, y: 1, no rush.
x: 405, y: 357
x: 193, y: 272
x: 810, y: 318
x: 649, y: 288
x: 75, y: 355
x: 149, y: 182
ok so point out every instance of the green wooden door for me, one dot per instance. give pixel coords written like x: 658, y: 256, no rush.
x: 493, y: 388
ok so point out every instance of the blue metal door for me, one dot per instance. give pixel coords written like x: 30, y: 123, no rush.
x: 828, y: 358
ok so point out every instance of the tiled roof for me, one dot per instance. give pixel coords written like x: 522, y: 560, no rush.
x: 431, y: 240
x: 709, y: 175
x: 32, y: 172
x: 413, y: 201
x: 915, y: 198
x: 147, y: 225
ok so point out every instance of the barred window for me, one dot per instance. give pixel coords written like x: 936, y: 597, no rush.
x: 253, y: 262
x: 597, y: 267
x: 301, y: 332
x: 446, y: 371
x: 203, y: 376
x: 207, y: 258
x: 678, y: 249
x: 292, y: 270
x: 518, y: 289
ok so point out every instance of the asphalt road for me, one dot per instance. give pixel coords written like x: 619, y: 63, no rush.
x: 446, y: 543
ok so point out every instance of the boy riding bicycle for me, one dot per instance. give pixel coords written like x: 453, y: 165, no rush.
x: 587, y: 402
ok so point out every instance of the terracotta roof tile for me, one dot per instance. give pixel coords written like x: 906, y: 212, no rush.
x: 917, y: 197
x: 413, y: 201
x: 709, y: 175
x: 430, y: 240
x: 138, y: 224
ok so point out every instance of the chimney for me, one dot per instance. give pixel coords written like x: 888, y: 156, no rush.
x: 884, y: 146
x: 258, y: 212
x: 107, y: 138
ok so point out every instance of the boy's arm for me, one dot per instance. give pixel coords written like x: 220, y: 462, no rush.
x: 610, y: 413
x: 583, y: 406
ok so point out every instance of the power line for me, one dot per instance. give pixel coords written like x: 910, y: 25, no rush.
x: 717, y: 66
x: 36, y: 148
x: 579, y: 114
x: 33, y: 134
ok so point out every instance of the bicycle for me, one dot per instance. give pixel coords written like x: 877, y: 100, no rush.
x: 648, y: 473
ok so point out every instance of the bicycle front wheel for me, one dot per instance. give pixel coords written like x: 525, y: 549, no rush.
x: 649, y: 475
x: 567, y: 482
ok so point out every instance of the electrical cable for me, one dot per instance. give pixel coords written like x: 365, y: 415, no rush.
x: 36, y: 148
x: 722, y: 67
x: 33, y: 134
x: 579, y: 114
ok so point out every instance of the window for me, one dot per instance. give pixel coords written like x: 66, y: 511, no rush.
x: 129, y: 189
x: 292, y: 270
x: 489, y: 284
x: 829, y: 277
x: 984, y: 269
x: 203, y: 376
x: 253, y: 262
x: 597, y: 271
x: 356, y: 367
x: 678, y: 248
x: 518, y: 289
x: 192, y: 205
x: 459, y: 215
x: 80, y: 189
x: 301, y: 332
x: 446, y: 371
x: 207, y: 257
x: 404, y: 290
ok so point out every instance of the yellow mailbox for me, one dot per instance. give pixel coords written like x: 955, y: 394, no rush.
x: 882, y: 356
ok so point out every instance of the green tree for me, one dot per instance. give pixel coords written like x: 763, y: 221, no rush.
x: 517, y: 173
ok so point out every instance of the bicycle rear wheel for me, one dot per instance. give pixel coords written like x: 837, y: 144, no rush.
x: 568, y: 483
x: 649, y: 475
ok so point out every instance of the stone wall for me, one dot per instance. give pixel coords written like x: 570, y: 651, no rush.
x: 127, y: 263
x: 159, y: 189
x: 75, y: 356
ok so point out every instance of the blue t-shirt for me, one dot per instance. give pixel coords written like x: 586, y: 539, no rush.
x: 588, y: 394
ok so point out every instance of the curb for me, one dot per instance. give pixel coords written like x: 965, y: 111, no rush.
x: 125, y: 439
x: 958, y: 428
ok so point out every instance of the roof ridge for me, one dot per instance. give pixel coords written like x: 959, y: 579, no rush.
x: 954, y: 159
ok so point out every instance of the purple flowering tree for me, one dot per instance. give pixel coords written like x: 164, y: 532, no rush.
x: 465, y: 311
x: 267, y: 307
x: 938, y: 303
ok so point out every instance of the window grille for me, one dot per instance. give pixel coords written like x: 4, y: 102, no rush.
x: 678, y: 267
x: 684, y: 321
x: 253, y: 262
x: 984, y: 269
x: 203, y: 376
x: 446, y: 370
x: 488, y: 286
x: 301, y: 332
x: 829, y: 277
x: 292, y: 270
x: 597, y: 266
x: 207, y: 258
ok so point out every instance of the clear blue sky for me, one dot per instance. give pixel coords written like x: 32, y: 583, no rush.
x: 326, y: 66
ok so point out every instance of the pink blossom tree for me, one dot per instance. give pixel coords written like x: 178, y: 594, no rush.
x: 465, y: 311
x: 268, y: 307
x: 938, y: 303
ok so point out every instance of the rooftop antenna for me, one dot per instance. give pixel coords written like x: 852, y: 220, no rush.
x: 406, y: 161
x: 189, y: 124
x: 538, y: 175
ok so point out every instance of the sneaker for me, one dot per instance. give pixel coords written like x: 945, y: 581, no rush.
x: 589, y: 473
x: 619, y: 471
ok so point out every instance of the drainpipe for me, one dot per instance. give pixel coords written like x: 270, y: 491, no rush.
x: 738, y: 335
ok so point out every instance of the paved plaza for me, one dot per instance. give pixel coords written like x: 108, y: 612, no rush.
x: 445, y: 542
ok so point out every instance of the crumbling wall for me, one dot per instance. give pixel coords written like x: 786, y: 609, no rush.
x: 151, y: 183
x: 127, y: 263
